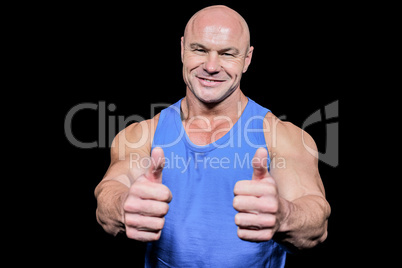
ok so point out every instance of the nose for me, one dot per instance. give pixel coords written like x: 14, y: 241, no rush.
x: 212, y: 64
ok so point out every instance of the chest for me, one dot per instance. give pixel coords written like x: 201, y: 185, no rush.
x: 203, y: 131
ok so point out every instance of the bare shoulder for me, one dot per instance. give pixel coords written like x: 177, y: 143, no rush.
x: 294, y: 159
x: 133, y: 142
x: 285, y: 137
x: 135, y: 137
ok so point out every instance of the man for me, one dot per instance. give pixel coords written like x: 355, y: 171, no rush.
x: 214, y: 180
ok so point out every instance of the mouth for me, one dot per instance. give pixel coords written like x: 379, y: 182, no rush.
x: 209, y: 82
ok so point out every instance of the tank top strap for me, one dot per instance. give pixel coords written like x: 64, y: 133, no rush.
x: 252, y: 124
x: 165, y: 134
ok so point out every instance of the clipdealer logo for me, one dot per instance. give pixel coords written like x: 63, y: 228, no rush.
x: 103, y: 120
x: 107, y: 128
x: 331, y: 112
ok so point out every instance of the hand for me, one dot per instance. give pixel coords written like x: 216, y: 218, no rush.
x: 147, y: 202
x: 257, y: 202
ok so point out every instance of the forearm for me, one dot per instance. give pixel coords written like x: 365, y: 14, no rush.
x: 305, y: 221
x: 110, y: 195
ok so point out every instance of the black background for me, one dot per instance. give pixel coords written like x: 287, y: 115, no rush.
x: 129, y: 56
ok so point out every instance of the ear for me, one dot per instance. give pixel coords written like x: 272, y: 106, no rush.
x: 182, y: 48
x: 247, y: 60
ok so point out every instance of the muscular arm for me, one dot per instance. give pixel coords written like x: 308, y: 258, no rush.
x: 128, y: 147
x: 288, y: 203
x: 302, y: 204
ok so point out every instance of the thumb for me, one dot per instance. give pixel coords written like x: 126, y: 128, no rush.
x: 154, y: 172
x: 259, y: 163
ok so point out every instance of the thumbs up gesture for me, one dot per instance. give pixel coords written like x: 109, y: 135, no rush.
x: 257, y: 202
x: 147, y: 202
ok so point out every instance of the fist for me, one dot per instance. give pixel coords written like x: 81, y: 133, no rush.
x: 147, y: 202
x: 257, y: 202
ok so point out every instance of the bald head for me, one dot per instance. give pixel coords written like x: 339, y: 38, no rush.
x: 218, y: 22
x: 215, y: 52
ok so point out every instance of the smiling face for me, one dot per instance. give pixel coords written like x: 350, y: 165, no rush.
x: 215, y: 53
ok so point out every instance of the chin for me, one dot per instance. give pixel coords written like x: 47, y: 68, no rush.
x: 216, y: 97
x: 207, y: 97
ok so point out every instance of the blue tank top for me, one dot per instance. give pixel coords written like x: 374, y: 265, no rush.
x: 199, y: 229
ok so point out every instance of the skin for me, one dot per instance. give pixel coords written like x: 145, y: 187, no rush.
x: 215, y: 46
x: 286, y: 204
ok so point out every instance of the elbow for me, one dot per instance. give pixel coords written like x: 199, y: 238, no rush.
x: 322, y: 230
x: 322, y: 235
x: 110, y: 227
x: 319, y: 233
x: 109, y: 212
x: 327, y: 213
x: 311, y: 241
x: 322, y: 238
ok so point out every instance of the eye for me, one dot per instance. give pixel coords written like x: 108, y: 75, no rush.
x: 227, y: 54
x: 200, y: 50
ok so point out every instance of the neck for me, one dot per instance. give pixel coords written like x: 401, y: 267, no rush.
x: 232, y: 106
